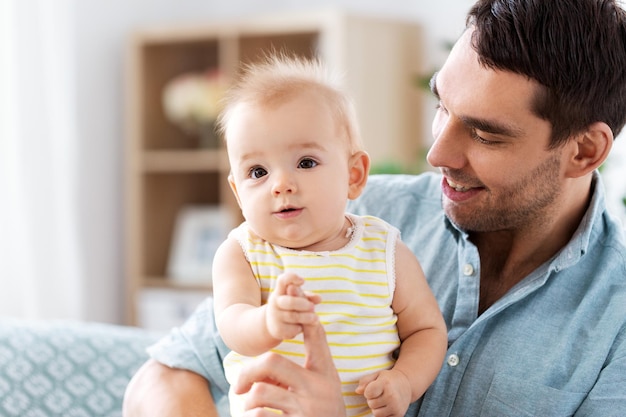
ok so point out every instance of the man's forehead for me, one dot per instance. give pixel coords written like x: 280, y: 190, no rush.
x: 463, y: 79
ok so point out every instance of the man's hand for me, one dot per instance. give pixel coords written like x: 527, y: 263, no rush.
x: 276, y: 382
x: 289, y: 308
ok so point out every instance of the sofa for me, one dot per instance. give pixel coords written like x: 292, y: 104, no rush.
x: 67, y: 368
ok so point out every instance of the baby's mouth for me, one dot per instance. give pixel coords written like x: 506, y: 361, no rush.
x: 288, y: 209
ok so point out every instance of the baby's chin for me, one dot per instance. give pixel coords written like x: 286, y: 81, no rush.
x: 291, y: 241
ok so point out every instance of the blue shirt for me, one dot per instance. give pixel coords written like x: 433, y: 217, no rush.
x: 554, y: 345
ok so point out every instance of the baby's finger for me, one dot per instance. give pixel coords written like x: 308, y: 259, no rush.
x: 312, y: 297
x: 294, y: 290
x: 364, y: 382
x: 285, y: 280
x: 373, y: 390
x: 289, y: 303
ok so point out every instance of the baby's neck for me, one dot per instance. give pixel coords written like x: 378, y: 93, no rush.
x: 334, y: 242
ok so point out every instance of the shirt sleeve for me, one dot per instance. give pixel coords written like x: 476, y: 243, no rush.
x: 196, y: 346
x: 608, y: 396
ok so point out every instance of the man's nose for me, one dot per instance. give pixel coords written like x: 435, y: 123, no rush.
x: 448, y: 149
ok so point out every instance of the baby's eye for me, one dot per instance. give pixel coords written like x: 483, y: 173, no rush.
x: 257, y: 172
x: 440, y: 107
x: 307, y: 163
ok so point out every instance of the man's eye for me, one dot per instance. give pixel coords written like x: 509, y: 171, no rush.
x: 307, y: 163
x: 257, y: 172
x: 480, y: 139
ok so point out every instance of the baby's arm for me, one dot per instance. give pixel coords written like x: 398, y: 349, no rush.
x: 423, y: 334
x: 246, y: 326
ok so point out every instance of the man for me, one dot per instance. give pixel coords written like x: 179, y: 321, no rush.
x: 528, y: 267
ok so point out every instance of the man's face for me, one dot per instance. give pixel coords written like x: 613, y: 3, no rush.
x: 492, y: 150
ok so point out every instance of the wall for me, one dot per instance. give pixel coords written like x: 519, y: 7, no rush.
x: 101, y: 30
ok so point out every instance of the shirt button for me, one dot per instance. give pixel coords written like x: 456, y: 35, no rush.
x: 468, y: 270
x: 453, y: 360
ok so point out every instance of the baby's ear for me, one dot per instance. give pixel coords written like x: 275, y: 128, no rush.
x: 233, y: 187
x: 359, y: 166
x: 589, y: 149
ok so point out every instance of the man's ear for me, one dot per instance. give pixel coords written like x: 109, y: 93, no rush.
x: 589, y: 149
x: 233, y: 187
x: 359, y: 166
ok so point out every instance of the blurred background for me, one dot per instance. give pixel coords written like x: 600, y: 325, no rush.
x: 98, y: 184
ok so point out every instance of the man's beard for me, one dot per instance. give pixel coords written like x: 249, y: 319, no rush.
x: 526, y: 202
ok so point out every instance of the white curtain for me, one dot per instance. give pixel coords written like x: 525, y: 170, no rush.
x: 40, y: 259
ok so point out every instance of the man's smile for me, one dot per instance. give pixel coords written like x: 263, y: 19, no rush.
x: 457, y: 187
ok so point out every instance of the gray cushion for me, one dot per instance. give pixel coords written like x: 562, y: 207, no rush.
x: 62, y: 368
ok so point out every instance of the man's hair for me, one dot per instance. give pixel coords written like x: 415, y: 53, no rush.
x: 575, y: 49
x: 278, y: 78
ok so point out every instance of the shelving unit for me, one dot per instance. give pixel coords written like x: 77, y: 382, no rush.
x: 167, y: 171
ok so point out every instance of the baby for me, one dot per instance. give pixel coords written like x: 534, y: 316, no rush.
x: 296, y: 158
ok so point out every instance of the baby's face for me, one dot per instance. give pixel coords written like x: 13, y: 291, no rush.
x: 290, y: 171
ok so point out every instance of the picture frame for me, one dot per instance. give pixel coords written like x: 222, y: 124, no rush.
x: 198, y: 232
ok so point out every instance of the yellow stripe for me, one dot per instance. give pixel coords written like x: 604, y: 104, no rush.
x: 363, y: 414
x: 368, y: 368
x: 279, y: 266
x: 314, y: 255
x: 363, y: 249
x: 288, y: 353
x: 346, y: 345
x: 357, y: 324
x: 357, y: 357
x: 321, y: 279
x: 348, y: 256
x: 360, y: 294
x: 361, y: 333
x: 350, y: 303
x: 330, y: 278
x: 373, y: 239
x: 340, y: 266
x: 342, y: 357
x: 346, y: 314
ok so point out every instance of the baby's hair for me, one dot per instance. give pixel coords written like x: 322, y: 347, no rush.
x: 277, y: 78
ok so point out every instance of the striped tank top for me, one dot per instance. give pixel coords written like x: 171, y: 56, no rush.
x: 356, y: 284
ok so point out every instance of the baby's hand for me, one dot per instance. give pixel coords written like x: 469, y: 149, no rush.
x: 388, y: 393
x: 289, y: 307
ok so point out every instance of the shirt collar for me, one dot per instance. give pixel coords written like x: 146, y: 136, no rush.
x: 579, y: 243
